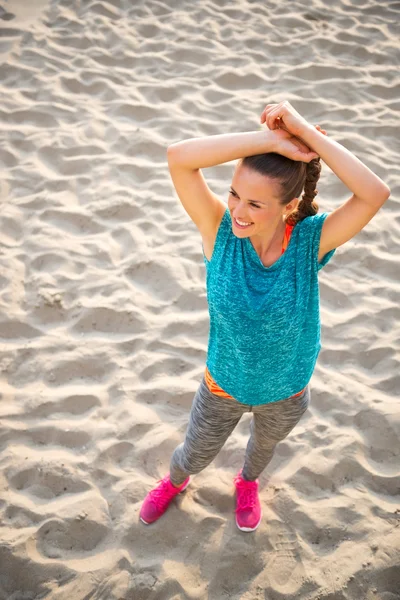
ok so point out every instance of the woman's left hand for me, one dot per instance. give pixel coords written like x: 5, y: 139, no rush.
x: 284, y: 116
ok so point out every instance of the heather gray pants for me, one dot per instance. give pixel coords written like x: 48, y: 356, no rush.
x: 213, y: 418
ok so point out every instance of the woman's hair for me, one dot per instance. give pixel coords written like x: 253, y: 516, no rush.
x: 294, y: 177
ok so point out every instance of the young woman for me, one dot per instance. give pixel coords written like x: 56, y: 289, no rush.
x: 262, y: 254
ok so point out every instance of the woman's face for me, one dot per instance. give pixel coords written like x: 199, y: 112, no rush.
x: 253, y: 198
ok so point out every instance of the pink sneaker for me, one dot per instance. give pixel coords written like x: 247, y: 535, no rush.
x: 157, y: 501
x: 248, y: 508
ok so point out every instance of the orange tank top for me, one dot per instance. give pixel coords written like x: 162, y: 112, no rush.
x: 211, y: 383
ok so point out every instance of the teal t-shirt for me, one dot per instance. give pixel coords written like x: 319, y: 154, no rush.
x: 265, y: 331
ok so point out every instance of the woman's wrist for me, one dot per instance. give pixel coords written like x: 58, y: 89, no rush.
x: 309, y: 134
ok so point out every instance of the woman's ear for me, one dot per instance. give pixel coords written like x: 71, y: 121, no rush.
x: 293, y: 204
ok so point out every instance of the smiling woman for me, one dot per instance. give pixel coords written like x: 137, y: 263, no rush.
x: 263, y: 253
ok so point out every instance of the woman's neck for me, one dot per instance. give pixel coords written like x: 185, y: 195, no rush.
x: 270, y: 244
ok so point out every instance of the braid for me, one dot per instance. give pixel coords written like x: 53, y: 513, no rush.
x: 307, y: 207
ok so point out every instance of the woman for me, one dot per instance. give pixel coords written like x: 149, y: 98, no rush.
x: 262, y: 256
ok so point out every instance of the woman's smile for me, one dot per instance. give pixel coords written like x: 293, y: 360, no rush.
x: 241, y: 224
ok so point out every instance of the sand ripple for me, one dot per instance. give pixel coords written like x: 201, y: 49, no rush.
x: 104, y: 319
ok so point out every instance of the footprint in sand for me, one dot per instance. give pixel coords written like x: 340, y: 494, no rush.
x: 56, y: 538
x: 285, y: 568
x: 46, y: 483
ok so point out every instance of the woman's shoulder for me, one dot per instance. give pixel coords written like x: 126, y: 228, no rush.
x: 311, y: 219
x: 312, y: 223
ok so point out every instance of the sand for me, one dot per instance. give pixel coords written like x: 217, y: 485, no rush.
x: 104, y: 321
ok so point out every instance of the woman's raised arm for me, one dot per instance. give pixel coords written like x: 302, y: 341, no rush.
x: 369, y: 191
x: 187, y: 158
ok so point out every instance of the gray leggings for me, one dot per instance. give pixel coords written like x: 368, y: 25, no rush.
x: 213, y: 418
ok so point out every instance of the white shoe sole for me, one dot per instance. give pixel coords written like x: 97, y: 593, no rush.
x: 249, y: 528
x: 184, y: 488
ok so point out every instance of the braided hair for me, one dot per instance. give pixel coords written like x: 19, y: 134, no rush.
x: 294, y: 177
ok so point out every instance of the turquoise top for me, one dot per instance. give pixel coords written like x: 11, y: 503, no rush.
x: 265, y: 331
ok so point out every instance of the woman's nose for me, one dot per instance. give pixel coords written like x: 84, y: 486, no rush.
x: 240, y: 214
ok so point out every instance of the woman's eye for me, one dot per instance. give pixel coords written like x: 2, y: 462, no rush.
x: 232, y: 193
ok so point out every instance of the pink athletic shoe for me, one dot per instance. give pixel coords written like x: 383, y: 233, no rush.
x: 157, y: 501
x: 248, y: 508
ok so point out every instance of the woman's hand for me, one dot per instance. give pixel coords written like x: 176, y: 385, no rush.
x: 288, y: 126
x: 284, y: 116
x: 292, y: 147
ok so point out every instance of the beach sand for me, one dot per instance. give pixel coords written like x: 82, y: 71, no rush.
x: 104, y: 319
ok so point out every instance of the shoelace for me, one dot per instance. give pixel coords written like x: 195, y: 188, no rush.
x: 161, y: 494
x: 246, y: 497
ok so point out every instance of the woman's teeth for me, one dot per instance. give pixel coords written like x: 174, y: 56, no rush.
x: 242, y: 223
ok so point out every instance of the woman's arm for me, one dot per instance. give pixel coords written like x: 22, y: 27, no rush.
x: 200, y: 153
x: 355, y: 175
x: 369, y: 191
x: 187, y: 158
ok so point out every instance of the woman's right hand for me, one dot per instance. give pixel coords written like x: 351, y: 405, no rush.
x: 292, y: 147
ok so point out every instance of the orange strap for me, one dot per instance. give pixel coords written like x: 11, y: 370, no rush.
x: 286, y: 238
x: 215, y: 389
